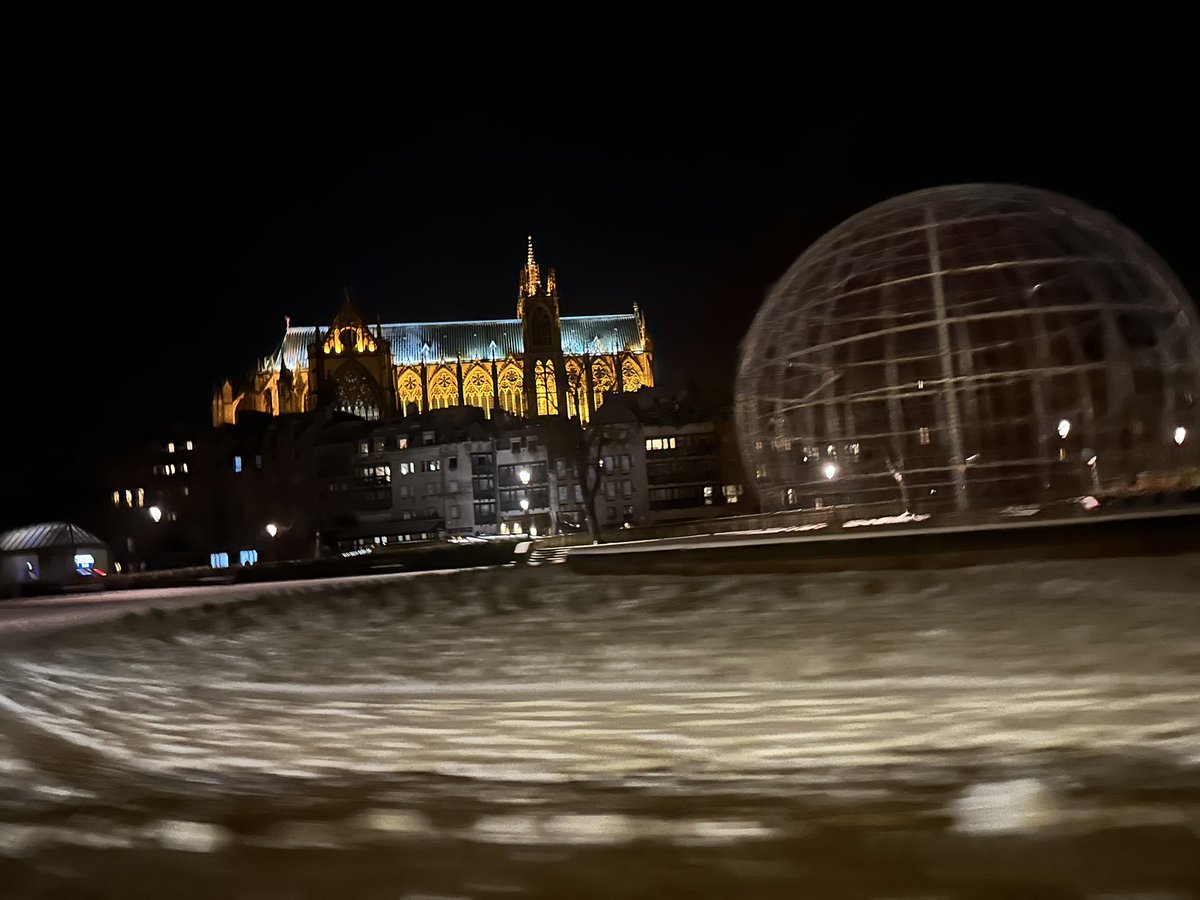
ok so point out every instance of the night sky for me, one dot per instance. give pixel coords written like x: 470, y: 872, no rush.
x: 175, y: 188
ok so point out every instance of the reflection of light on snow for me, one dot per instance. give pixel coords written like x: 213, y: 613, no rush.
x: 783, y: 529
x: 1089, y: 502
x: 1002, y: 807
x: 599, y: 829
x: 901, y: 519
x: 1020, y: 511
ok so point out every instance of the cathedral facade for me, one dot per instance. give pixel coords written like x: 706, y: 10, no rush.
x: 539, y: 364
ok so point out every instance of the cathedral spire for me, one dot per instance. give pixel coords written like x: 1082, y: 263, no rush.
x: 531, y: 278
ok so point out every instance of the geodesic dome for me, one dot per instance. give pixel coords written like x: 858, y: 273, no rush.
x: 970, y: 346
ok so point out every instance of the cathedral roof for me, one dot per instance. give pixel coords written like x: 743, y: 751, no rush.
x: 484, y: 339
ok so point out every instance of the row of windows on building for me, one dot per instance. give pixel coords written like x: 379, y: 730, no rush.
x: 171, y: 469
x: 529, y: 443
x: 131, y: 495
x: 382, y: 540
x: 690, y: 442
x: 186, y: 445
x: 237, y: 463
x: 220, y: 560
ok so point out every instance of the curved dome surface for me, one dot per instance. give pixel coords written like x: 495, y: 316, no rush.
x: 972, y: 346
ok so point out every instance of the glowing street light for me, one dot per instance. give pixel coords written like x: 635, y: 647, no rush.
x: 523, y: 474
x: 524, y: 505
x: 272, y: 529
x: 155, y: 513
x: 1180, y: 436
x: 1064, y: 428
x: 830, y: 470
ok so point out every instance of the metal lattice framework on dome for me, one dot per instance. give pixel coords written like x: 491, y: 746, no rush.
x: 973, y: 346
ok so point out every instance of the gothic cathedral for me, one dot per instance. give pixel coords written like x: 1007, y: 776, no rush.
x: 539, y: 364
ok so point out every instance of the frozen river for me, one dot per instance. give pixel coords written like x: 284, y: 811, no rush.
x: 1026, y: 731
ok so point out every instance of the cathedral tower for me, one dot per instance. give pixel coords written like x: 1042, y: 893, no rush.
x: 352, y: 368
x: 541, y: 328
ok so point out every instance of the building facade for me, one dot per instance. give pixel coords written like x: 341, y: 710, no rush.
x: 539, y: 364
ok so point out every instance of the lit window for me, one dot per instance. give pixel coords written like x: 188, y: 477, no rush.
x: 218, y: 560
x: 258, y: 462
x: 401, y: 443
x: 188, y: 445
x: 171, y: 447
x: 141, y: 497
x: 670, y: 443
x: 237, y: 464
x: 364, y: 447
x: 760, y: 471
x: 116, y: 498
x: 171, y: 469
x: 923, y: 435
x: 248, y: 557
x: 708, y: 491
x: 185, y: 490
x: 649, y: 443
x: 407, y: 468
x: 184, y: 467
x: 129, y: 499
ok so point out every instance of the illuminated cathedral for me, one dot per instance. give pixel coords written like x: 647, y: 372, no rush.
x: 539, y: 364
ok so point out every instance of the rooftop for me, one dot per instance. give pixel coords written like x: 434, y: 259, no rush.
x: 414, y: 342
x: 44, y: 535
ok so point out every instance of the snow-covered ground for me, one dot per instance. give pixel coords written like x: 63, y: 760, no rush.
x: 748, y: 721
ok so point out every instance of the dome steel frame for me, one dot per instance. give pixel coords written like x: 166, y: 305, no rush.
x: 927, y: 351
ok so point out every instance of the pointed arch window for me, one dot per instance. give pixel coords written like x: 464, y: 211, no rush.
x: 443, y: 390
x: 546, y: 388
x: 477, y: 390
x: 512, y: 390
x: 356, y: 393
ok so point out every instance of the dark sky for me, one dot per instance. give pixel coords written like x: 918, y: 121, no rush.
x: 174, y: 187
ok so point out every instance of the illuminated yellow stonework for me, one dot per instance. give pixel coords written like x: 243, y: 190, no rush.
x: 381, y: 370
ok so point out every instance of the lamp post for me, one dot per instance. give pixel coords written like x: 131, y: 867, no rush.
x: 155, y: 514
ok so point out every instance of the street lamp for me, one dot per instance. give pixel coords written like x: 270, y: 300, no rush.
x: 1064, y: 428
x: 524, y: 505
x: 272, y: 529
x: 1180, y: 436
x: 155, y: 513
x: 523, y: 474
x: 830, y: 470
